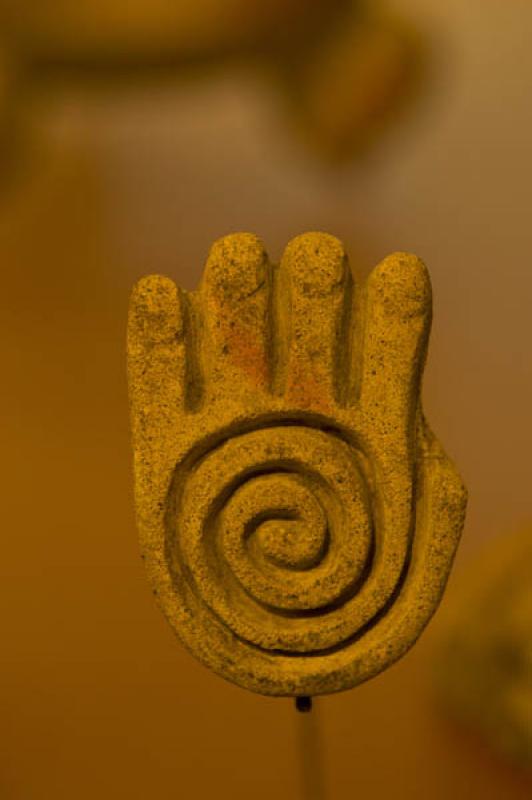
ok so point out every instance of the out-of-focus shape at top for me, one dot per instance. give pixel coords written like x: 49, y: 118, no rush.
x: 344, y: 66
x: 484, y: 663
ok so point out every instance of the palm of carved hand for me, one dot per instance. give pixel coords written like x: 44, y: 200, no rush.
x: 297, y: 518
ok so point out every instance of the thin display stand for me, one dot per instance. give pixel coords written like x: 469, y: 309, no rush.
x: 304, y: 703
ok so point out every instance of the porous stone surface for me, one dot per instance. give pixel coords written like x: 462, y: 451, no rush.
x: 297, y: 517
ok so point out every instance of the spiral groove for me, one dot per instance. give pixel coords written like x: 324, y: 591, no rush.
x: 276, y: 536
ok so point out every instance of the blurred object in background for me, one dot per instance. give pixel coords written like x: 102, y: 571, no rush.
x: 7, y: 105
x: 354, y: 79
x: 4, y: 80
x: 484, y: 668
x: 343, y: 66
x: 144, y: 31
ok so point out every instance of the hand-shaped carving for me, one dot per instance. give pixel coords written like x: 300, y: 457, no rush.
x: 297, y: 518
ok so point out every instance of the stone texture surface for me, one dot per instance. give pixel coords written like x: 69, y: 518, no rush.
x: 297, y: 517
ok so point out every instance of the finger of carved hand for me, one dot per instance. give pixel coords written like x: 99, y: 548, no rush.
x: 316, y: 283
x: 156, y: 355
x: 235, y: 294
x: 397, y: 323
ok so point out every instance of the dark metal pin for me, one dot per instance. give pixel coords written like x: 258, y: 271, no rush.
x: 304, y: 703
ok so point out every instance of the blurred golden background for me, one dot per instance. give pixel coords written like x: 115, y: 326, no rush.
x: 132, y: 138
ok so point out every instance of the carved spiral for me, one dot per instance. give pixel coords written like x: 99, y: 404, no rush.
x: 297, y: 517
x: 275, y: 536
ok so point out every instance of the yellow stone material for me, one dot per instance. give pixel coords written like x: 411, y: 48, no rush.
x: 297, y: 517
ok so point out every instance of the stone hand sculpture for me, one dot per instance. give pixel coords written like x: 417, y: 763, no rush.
x: 297, y: 517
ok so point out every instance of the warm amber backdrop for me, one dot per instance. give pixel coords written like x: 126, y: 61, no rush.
x: 97, y: 698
